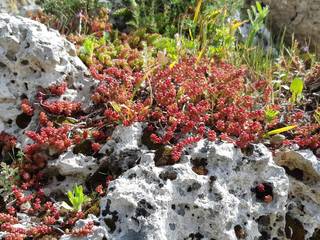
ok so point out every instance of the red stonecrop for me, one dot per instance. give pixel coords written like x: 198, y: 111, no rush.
x: 48, y: 141
x: 26, y: 107
x: 58, y: 88
x: 8, y: 141
x: 83, y: 231
x: 62, y: 107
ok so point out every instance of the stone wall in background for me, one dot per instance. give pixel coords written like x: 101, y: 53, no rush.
x: 298, y: 17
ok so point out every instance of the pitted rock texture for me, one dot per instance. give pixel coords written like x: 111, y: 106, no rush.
x: 33, y: 56
x: 303, y: 211
x: 124, y: 149
x: 300, y: 18
x: 174, y: 202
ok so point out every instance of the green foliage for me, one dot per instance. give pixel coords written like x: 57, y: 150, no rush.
x: 257, y: 16
x: 66, y: 12
x: 169, y: 17
x: 296, y: 88
x: 8, y: 177
x: 77, y: 198
x: 271, y: 114
x: 87, y: 49
x: 251, y: 52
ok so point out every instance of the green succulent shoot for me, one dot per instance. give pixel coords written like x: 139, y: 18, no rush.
x: 296, y: 89
x: 77, y: 198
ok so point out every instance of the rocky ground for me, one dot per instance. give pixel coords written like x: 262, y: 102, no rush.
x: 216, y: 191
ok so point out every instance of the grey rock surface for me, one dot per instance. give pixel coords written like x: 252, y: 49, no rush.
x: 300, y: 18
x: 33, y: 56
x: 174, y: 202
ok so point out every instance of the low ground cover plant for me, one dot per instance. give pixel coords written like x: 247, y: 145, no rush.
x: 193, y: 82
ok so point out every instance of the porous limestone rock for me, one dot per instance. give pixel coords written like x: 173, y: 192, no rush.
x: 59, y: 185
x: 68, y: 170
x: 297, y: 17
x: 73, y: 164
x: 303, y: 207
x: 33, y: 56
x: 178, y: 202
x: 124, y: 149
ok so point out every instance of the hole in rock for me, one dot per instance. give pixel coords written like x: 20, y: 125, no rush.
x: 60, y: 178
x: 168, y: 174
x: 163, y: 156
x: 24, y: 62
x: 196, y: 236
x: 239, y: 232
x: 264, y: 192
x: 99, y: 177
x: 23, y: 120
x: 23, y: 96
x: 199, y: 166
x: 295, y: 173
x: 294, y: 228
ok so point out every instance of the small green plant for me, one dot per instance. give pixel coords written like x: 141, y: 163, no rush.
x: 77, y: 198
x: 271, y: 114
x: 8, y: 177
x: 86, y: 51
x: 257, y: 15
x: 296, y: 88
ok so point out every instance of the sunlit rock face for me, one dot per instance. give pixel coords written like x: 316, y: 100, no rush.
x: 300, y: 18
x: 32, y: 57
x: 211, y: 194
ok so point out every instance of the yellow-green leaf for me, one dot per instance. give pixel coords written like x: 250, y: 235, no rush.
x: 280, y: 130
x: 180, y: 92
x: 197, y: 11
x: 296, y: 88
x: 116, y: 107
x: 317, y: 115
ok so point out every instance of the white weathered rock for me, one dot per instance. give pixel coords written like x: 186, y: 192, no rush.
x: 73, y: 164
x: 303, y: 207
x: 124, y: 138
x: 32, y: 56
x: 173, y: 202
x: 60, y: 186
x: 124, y: 149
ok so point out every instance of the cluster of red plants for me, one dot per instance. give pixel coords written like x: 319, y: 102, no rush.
x: 183, y: 104
x: 40, y: 207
